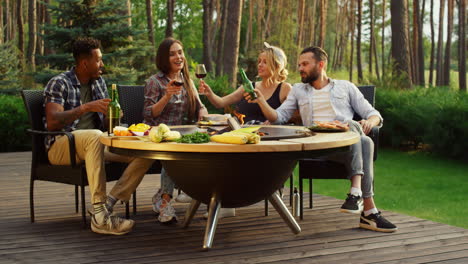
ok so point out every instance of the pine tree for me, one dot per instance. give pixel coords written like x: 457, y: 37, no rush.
x: 101, y: 20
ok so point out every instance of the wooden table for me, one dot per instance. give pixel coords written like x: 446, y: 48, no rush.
x: 227, y: 175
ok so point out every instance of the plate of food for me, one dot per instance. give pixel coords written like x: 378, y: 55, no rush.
x: 332, y: 126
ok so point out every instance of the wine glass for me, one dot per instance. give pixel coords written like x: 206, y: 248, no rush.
x: 179, y: 82
x: 200, y: 72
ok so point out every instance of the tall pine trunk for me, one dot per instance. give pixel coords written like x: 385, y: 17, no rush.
x: 248, y: 32
x: 415, y: 40
x: 149, y: 21
x: 384, y: 10
x: 353, y: 29
x: 431, y: 61
x: 221, y: 37
x: 323, y: 22
x: 462, y: 45
x: 448, y: 43
x: 32, y: 35
x: 301, y: 15
x: 371, y: 46
x: 231, y: 41
x: 207, y: 16
x: 1, y: 24
x: 439, y: 62
x: 170, y: 18
x: 19, y: 23
x: 400, y: 49
x: 358, y: 41
x: 312, y: 23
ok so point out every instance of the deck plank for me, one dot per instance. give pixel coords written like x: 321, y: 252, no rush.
x: 327, y: 236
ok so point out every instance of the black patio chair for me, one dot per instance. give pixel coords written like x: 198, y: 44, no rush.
x: 325, y: 169
x: 41, y: 169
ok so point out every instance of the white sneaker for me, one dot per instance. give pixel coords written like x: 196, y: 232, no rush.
x: 111, y: 224
x: 183, y: 198
x: 166, y: 213
x: 224, y: 212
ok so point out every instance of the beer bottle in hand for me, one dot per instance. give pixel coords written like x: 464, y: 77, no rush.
x: 247, y: 84
x: 113, y: 110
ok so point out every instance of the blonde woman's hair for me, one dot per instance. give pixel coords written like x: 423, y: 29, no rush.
x: 276, y: 61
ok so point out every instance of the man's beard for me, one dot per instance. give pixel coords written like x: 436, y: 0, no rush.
x: 311, y: 77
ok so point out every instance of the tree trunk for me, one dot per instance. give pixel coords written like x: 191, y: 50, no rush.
x: 384, y: 10
x: 323, y: 22
x: 301, y: 15
x: 431, y: 61
x: 47, y: 49
x: 248, y: 32
x: 400, y: 48
x: 7, y: 21
x: 1, y: 24
x: 371, y: 46
x: 222, y: 35
x: 128, y: 13
x: 40, y: 8
x: 149, y: 21
x: 448, y: 43
x: 207, y: 16
x: 353, y: 29
x: 439, y: 64
x: 415, y: 41
x: 312, y: 23
x: 462, y: 45
x: 32, y: 34
x: 170, y: 18
x: 376, y: 60
x: 358, y: 41
x: 231, y: 41
x: 421, y: 68
x: 19, y: 23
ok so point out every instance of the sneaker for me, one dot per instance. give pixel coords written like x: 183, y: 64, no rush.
x: 224, y: 212
x: 352, y: 205
x: 111, y: 224
x: 166, y: 213
x: 183, y: 198
x: 376, y: 222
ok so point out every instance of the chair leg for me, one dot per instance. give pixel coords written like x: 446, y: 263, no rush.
x: 266, y: 207
x: 127, y: 210
x: 83, y: 206
x: 134, y: 203
x: 76, y: 199
x: 31, y: 199
x: 301, y: 198
x: 291, y: 184
x: 310, y: 193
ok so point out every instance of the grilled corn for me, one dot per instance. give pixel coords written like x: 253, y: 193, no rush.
x: 230, y: 138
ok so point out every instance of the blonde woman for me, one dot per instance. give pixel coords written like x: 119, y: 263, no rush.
x: 271, y: 68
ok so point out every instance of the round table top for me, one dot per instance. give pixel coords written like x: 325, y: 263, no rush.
x: 315, y: 142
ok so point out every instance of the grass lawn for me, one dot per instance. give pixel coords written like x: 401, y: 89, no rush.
x: 415, y: 184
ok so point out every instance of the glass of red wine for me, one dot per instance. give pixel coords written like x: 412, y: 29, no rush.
x: 200, y: 72
x: 179, y: 82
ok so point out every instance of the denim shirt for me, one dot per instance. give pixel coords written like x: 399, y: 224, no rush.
x: 346, y: 99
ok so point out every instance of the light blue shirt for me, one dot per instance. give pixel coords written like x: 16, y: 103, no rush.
x: 345, y: 97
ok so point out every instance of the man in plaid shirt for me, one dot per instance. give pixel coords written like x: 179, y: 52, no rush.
x: 76, y: 101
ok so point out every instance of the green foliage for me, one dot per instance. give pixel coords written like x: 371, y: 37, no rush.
x: 435, y: 117
x: 10, y: 75
x: 14, y: 120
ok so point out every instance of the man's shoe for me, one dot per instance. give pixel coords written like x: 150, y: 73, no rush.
x: 352, y: 205
x: 376, y: 222
x: 183, y: 198
x: 111, y: 225
x: 164, y: 209
x: 223, y: 212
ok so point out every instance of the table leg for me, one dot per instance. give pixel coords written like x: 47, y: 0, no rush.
x: 191, y: 210
x: 213, y: 216
x: 283, y: 211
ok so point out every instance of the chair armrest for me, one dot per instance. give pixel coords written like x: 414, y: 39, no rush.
x: 374, y: 135
x: 71, y: 141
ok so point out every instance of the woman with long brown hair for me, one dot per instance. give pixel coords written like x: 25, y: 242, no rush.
x: 171, y: 99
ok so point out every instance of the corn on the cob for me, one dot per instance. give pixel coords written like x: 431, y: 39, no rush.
x: 230, y: 138
x: 252, y: 138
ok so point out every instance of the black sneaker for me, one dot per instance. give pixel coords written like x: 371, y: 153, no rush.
x: 376, y: 222
x: 352, y: 205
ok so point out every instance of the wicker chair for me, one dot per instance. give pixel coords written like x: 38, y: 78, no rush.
x: 41, y: 169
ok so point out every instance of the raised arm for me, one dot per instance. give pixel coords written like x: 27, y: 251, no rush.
x: 220, y: 102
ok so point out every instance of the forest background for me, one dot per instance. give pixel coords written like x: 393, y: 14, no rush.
x: 413, y: 51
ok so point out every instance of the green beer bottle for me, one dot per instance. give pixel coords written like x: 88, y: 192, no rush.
x: 113, y: 110
x: 247, y: 84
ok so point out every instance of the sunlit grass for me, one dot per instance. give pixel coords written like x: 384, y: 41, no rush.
x: 415, y: 184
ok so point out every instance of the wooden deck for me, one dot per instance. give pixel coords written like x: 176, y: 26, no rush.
x: 327, y: 235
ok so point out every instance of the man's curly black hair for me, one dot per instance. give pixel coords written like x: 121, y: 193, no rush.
x: 84, y: 46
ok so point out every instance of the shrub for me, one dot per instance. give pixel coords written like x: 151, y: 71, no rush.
x: 14, y: 121
x: 435, y: 117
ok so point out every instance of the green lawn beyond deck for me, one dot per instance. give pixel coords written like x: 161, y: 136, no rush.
x: 416, y: 184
